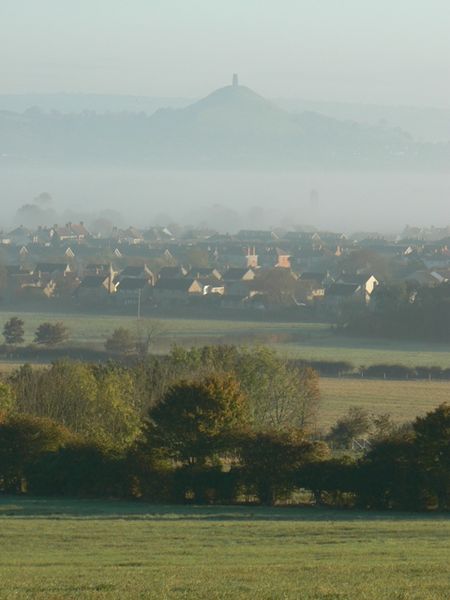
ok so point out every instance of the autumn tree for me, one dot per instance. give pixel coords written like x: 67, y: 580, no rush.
x: 14, y: 331
x: 195, y: 419
x: 280, y: 395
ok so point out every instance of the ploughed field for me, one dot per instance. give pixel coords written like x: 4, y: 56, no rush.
x: 311, y: 341
x: 53, y: 549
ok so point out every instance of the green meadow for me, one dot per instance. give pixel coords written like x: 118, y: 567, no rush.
x: 312, y: 341
x: 54, y: 550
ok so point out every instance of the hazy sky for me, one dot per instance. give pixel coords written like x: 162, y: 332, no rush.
x: 381, y: 51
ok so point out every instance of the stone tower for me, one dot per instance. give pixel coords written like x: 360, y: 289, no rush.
x: 235, y: 80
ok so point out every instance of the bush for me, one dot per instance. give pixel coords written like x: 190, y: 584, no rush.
x: 51, y: 334
x: 271, y: 459
x: 122, y: 341
x: 23, y: 441
x: 79, y: 469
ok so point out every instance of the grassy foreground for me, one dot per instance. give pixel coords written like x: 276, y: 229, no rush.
x: 59, y: 549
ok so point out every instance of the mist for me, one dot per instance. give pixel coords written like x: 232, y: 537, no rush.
x: 231, y: 200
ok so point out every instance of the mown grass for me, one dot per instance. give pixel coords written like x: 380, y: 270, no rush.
x: 403, y: 400
x: 310, y: 341
x: 59, y: 549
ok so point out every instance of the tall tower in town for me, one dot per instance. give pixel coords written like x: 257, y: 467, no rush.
x: 235, y: 80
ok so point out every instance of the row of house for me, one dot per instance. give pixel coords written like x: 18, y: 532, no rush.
x: 160, y: 268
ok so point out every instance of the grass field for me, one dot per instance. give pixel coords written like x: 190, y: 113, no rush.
x: 403, y: 400
x: 311, y: 340
x: 56, y: 550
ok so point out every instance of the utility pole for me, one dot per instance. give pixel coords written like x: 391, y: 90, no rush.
x: 139, y: 306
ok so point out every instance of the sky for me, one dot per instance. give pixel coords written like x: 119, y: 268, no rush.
x: 370, y: 51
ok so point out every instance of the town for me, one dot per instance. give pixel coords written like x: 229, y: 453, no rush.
x: 297, y: 273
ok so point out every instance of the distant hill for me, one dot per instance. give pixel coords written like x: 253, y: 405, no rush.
x: 233, y: 127
x: 426, y: 124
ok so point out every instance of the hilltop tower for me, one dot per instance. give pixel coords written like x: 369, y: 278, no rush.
x: 235, y: 80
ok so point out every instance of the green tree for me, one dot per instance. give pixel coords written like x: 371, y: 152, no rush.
x: 14, y: 331
x: 270, y: 461
x: 122, y: 341
x: 196, y: 419
x: 279, y: 394
x: 23, y: 439
x: 7, y: 397
x: 389, y: 477
x: 354, y: 424
x: 98, y: 403
x: 432, y: 442
x: 51, y: 334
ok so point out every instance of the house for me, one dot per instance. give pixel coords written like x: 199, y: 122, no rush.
x: 311, y: 285
x: 172, y: 272
x: 52, y: 270
x: 71, y: 231
x: 366, y: 282
x: 130, y: 236
x: 252, y: 299
x: 139, y: 272
x: 97, y: 269
x: 283, y: 259
x: 212, y: 285
x: 250, y: 235
x: 338, y: 294
x: 238, y: 274
x: 170, y: 291
x: 132, y: 291
x: 426, y: 278
x: 33, y: 288
x: 158, y: 234
x: 20, y: 236
x: 22, y: 283
x: 204, y: 273
x: 96, y: 289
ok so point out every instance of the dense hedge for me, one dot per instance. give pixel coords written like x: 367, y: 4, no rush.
x: 404, y: 471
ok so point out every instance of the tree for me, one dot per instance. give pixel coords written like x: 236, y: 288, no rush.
x: 78, y: 468
x: 14, y: 331
x: 97, y: 402
x: 196, y: 419
x: 122, y: 341
x: 280, y: 395
x: 433, y: 451
x: 7, y: 397
x: 389, y: 477
x: 271, y: 459
x: 23, y: 439
x: 279, y: 285
x: 352, y: 425
x: 147, y: 334
x: 51, y: 334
